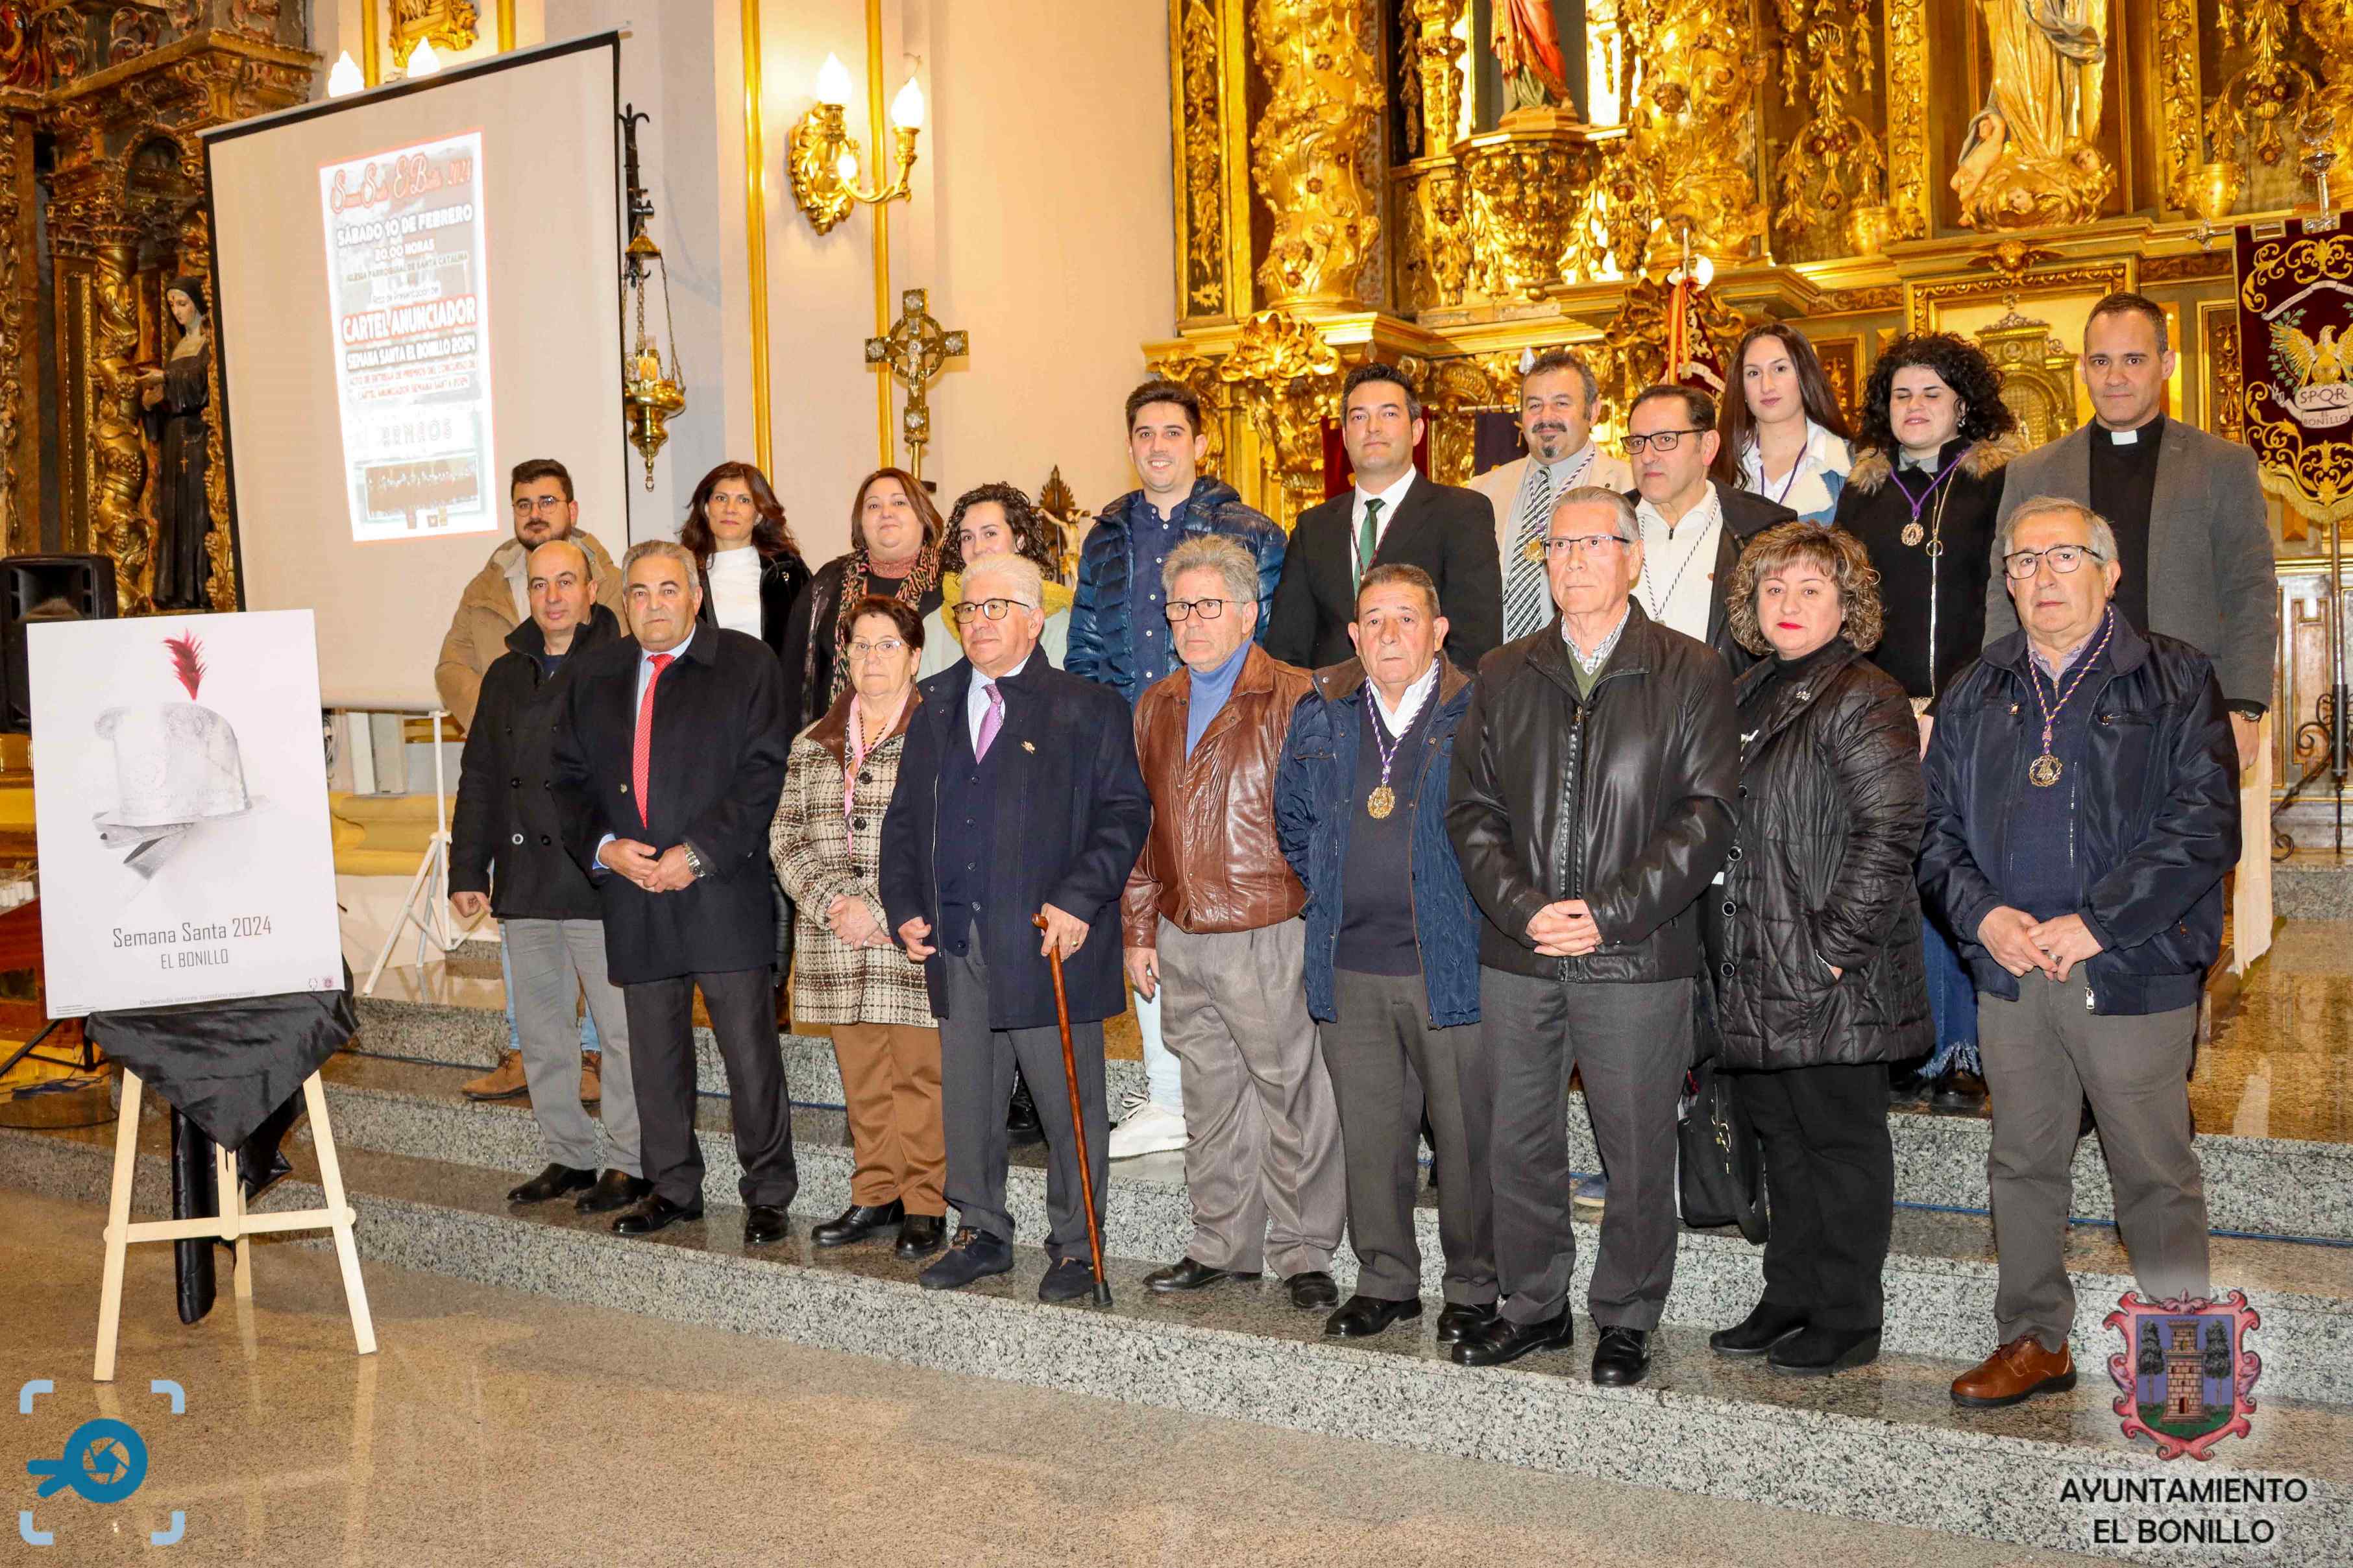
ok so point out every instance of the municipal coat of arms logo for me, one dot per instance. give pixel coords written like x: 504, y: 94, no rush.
x: 2185, y: 1377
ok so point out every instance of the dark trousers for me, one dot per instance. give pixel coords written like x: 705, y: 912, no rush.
x: 977, y: 1064
x: 743, y: 1008
x: 1390, y: 1066
x: 1829, y: 1165
x: 1630, y: 1041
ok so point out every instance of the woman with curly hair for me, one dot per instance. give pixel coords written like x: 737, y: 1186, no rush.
x: 1922, y: 499
x: 752, y: 570
x: 894, y: 551
x: 1814, y: 938
x: 1784, y: 435
x: 996, y: 518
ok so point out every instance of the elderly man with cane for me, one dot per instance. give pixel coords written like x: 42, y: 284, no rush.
x: 1018, y: 801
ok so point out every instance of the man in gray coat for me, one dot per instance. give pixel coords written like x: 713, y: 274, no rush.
x: 2197, y: 567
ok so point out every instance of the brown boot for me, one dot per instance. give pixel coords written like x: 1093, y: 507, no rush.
x: 504, y: 1081
x: 2018, y: 1371
x: 592, y: 1076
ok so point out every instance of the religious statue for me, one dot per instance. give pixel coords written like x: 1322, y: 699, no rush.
x: 1527, y: 52
x: 173, y: 398
x: 2031, y: 160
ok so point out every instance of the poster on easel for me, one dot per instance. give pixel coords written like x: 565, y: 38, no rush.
x: 180, y: 801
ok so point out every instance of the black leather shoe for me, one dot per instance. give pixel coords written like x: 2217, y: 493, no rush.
x: 657, y: 1212
x: 1457, y: 1321
x: 613, y: 1190
x: 1066, y: 1281
x: 1312, y: 1291
x: 1766, y: 1326
x: 977, y: 1254
x: 1959, y: 1089
x: 1818, y: 1352
x: 1366, y: 1316
x: 1503, y: 1339
x: 1187, y: 1275
x: 1022, y: 1127
x: 764, y: 1224
x: 553, y: 1183
x: 858, y: 1222
x: 921, y: 1235
x: 1622, y: 1357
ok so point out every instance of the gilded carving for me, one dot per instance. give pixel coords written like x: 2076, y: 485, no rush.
x: 2030, y: 161
x: 1831, y: 163
x: 2177, y: 46
x: 1205, y: 181
x: 118, y: 458
x: 1432, y: 71
x: 2329, y: 26
x: 2226, y: 383
x: 23, y: 523
x: 1634, y: 344
x: 2038, y: 372
x: 2182, y: 269
x: 452, y: 26
x: 1692, y: 122
x: 1285, y: 379
x: 1526, y: 189
x: 1312, y: 146
x: 1907, y: 116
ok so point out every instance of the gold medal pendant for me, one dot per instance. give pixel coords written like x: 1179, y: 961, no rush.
x: 1914, y: 533
x: 2044, y: 771
x: 1380, y: 803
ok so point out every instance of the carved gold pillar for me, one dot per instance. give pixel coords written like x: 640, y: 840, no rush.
x: 1207, y: 115
x: 117, y: 451
x: 1285, y: 380
x: 1909, y: 159
x: 20, y: 491
x: 1314, y: 147
x: 1693, y: 126
x: 1528, y: 190
x: 196, y: 261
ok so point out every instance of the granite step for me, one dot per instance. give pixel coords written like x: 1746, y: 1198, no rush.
x: 1883, y: 1444
x: 2254, y: 1187
x: 1940, y: 1277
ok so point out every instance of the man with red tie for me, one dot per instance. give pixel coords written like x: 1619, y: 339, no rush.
x: 670, y: 756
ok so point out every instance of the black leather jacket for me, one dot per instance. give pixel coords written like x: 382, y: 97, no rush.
x: 1830, y: 812
x: 2157, y: 811
x: 1625, y: 802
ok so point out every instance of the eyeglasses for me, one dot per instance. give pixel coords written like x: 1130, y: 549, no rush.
x: 888, y: 645
x: 1208, y: 609
x: 550, y: 505
x: 1572, y: 547
x: 1664, y: 440
x: 995, y: 609
x: 2063, y: 558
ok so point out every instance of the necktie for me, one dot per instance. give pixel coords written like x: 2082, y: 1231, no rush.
x: 990, y: 722
x: 1368, y: 534
x: 1526, y: 603
x: 640, y: 751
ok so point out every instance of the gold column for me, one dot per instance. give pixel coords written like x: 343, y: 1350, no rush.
x: 756, y: 235
x: 882, y: 210
x: 20, y: 507
x: 118, y: 452
x: 1311, y: 145
x: 371, y: 45
x: 506, y: 25
x: 1908, y: 169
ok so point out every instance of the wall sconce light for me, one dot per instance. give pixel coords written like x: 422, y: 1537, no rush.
x: 345, y: 79
x: 823, y: 162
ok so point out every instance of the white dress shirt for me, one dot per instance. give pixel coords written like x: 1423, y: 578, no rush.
x: 976, y: 699
x: 1678, y: 583
x: 1400, y: 719
x: 736, y: 589
x: 1390, y: 499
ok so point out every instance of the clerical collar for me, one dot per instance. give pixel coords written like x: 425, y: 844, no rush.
x: 2153, y: 428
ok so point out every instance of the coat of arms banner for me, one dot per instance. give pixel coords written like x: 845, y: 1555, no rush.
x: 2296, y: 336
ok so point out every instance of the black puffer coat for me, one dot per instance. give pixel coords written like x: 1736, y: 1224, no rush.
x: 1831, y: 810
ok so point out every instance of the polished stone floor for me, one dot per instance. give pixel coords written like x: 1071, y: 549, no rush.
x: 495, y: 1427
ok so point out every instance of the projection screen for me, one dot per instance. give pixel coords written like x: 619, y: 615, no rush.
x: 419, y: 288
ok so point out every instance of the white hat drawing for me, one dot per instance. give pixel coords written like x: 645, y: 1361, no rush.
x: 175, y: 764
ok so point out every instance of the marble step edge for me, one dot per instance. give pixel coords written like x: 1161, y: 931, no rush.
x: 2261, y: 1186
x: 1984, y: 1484
x: 1935, y: 1306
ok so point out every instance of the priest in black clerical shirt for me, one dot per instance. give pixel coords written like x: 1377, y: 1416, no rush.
x: 2187, y: 508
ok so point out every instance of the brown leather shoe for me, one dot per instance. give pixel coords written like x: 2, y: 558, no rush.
x: 2018, y: 1371
x: 592, y: 1076
x: 504, y: 1081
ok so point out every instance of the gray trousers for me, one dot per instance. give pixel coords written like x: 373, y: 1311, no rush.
x: 2044, y: 1054
x: 1262, y: 1161
x: 977, y: 1066
x: 1631, y: 1042
x: 1389, y: 1065
x: 553, y: 962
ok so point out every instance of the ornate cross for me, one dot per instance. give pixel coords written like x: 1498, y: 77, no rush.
x: 915, y: 349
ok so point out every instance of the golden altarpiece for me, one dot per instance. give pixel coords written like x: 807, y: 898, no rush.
x: 1449, y: 182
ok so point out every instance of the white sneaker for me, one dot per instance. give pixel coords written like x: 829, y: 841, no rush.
x: 1148, y: 1129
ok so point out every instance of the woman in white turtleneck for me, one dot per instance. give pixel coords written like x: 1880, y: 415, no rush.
x: 1784, y: 435
x: 751, y: 569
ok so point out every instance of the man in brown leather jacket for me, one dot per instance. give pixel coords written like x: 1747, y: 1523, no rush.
x: 1212, y: 912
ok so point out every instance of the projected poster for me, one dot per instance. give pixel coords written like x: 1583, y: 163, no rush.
x: 407, y: 272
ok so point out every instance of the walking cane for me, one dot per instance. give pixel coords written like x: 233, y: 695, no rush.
x: 1078, y: 1118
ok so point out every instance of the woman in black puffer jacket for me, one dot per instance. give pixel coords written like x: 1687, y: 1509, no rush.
x: 1814, y: 938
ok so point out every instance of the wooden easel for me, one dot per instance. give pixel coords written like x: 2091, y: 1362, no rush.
x: 233, y: 1224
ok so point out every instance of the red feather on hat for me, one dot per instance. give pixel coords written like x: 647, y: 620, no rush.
x: 187, y: 661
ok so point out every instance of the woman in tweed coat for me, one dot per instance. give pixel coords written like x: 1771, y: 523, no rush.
x: 847, y: 973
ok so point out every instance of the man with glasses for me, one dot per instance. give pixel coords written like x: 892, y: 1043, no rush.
x: 493, y: 604
x: 1693, y: 528
x: 1592, y: 796
x: 2083, y: 810
x: 1212, y: 914
x: 1391, y: 515
x: 1018, y: 800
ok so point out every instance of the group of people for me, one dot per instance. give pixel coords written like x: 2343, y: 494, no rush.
x: 1821, y: 752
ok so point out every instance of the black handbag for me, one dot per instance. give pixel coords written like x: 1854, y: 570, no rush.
x: 1721, y: 1172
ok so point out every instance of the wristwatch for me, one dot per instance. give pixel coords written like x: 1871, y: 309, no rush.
x: 693, y: 862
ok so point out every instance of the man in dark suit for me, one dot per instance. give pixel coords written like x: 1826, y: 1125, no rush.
x: 670, y: 756
x: 1693, y: 528
x: 1391, y: 516
x: 1018, y: 797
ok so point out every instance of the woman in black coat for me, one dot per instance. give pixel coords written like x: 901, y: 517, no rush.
x: 1815, y: 938
x: 894, y: 552
x: 1922, y: 498
x: 744, y: 553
